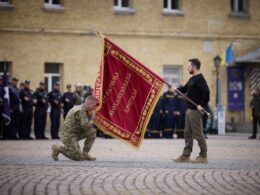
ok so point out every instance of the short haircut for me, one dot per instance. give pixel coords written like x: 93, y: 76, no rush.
x: 195, y: 62
x: 91, y: 98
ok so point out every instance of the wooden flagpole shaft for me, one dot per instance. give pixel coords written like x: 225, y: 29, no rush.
x: 99, y: 34
x: 188, y: 99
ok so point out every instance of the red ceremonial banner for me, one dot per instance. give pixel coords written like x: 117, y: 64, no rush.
x: 127, y: 92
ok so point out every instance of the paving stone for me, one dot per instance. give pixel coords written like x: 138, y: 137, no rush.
x: 234, y: 168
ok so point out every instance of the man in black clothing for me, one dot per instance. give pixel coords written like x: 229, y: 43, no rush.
x: 15, y: 108
x: 168, y: 110
x: 68, y: 100
x: 26, y: 96
x: 10, y: 130
x: 198, y: 91
x: 40, y: 112
x: 255, y: 106
x: 55, y: 98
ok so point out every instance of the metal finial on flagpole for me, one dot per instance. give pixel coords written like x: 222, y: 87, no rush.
x: 99, y: 34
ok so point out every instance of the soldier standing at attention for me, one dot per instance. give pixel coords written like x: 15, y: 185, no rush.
x: 40, y: 113
x: 78, y: 125
x: 55, y: 98
x: 78, y: 94
x: 255, y: 105
x: 198, y: 91
x: 180, y: 105
x: 168, y: 109
x: 26, y: 96
x: 15, y: 108
x: 68, y: 100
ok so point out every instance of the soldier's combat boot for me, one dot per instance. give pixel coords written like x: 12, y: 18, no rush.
x: 86, y: 156
x: 200, y: 159
x: 182, y: 158
x: 55, y: 151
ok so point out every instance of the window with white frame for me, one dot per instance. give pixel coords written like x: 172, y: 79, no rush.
x: 239, y: 7
x: 123, y: 6
x: 51, y: 74
x: 172, y: 74
x: 172, y: 7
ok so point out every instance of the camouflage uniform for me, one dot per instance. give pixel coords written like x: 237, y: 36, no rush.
x: 78, y: 125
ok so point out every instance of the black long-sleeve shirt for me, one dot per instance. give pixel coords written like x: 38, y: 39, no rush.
x: 197, y: 90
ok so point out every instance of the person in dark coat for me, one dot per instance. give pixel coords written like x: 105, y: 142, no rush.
x: 168, y: 109
x: 154, y: 125
x: 55, y: 99
x: 40, y: 113
x: 180, y: 106
x: 15, y: 108
x: 255, y: 106
x: 68, y: 100
x: 26, y: 96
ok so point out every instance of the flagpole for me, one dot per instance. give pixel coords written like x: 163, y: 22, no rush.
x: 99, y: 34
x: 187, y: 98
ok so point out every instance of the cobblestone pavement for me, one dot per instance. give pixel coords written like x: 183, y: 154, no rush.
x: 234, y: 168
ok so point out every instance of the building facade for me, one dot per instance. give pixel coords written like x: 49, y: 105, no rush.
x: 54, y: 40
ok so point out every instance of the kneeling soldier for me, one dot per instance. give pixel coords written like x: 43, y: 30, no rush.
x: 78, y: 125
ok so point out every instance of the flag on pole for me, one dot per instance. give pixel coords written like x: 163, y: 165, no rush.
x: 5, y: 98
x: 229, y: 54
x: 127, y: 92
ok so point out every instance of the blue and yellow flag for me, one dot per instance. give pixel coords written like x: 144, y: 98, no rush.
x: 229, y: 54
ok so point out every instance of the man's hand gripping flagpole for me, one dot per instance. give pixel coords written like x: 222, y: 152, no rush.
x: 173, y: 88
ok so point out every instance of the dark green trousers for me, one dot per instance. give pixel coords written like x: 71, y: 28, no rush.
x: 194, y: 129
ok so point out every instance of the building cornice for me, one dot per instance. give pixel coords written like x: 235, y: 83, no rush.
x: 174, y: 35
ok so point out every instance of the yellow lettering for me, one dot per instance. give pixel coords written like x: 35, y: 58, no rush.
x: 120, y: 94
x: 130, y: 101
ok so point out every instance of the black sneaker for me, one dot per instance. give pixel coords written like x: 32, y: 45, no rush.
x: 252, y: 137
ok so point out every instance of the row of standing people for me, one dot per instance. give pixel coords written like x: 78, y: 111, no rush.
x: 22, y: 111
x: 168, y: 118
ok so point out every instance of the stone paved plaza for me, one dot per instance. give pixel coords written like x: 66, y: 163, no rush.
x: 234, y: 168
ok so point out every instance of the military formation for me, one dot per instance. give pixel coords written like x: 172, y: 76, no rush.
x: 27, y: 106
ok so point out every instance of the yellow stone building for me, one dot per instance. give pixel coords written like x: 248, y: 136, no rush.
x: 54, y: 39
